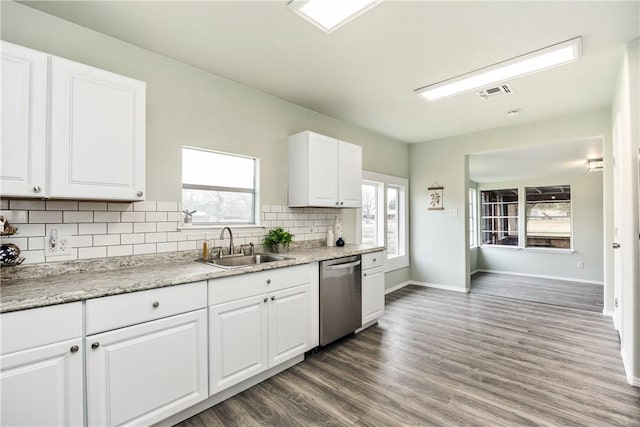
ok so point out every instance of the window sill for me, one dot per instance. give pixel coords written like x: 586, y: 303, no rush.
x: 507, y: 247
x: 197, y: 229
x: 552, y: 250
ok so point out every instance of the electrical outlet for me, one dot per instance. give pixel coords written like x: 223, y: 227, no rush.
x: 580, y: 264
x: 453, y: 212
x: 56, y: 245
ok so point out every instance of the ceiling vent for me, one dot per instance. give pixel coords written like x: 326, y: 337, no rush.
x: 503, y: 89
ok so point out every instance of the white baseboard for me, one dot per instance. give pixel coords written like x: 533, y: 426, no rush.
x: 634, y: 381
x: 437, y: 286
x: 474, y: 272
x: 396, y: 287
x: 543, y: 276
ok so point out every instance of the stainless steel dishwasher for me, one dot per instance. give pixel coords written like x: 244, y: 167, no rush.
x: 340, y: 298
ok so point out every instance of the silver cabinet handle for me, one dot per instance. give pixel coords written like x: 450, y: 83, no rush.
x: 139, y: 193
x: 74, y: 349
x: 36, y: 189
x: 616, y: 246
x: 156, y: 304
x: 268, y: 281
x: 339, y: 266
x: 95, y: 345
x: 273, y: 298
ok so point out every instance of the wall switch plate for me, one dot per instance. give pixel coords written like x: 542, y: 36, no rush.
x: 453, y: 212
x: 56, y: 245
x: 580, y: 264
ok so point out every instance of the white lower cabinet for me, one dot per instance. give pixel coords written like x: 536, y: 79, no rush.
x: 252, y: 334
x: 372, y: 286
x: 142, y: 374
x: 41, y: 370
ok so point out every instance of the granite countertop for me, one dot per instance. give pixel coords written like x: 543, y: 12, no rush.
x: 79, y: 281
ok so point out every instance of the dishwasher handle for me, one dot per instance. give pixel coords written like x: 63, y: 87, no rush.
x: 341, y: 266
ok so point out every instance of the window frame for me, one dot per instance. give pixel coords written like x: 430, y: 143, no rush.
x: 383, y: 182
x: 255, y: 191
x: 501, y: 217
x: 526, y: 217
x: 473, y: 217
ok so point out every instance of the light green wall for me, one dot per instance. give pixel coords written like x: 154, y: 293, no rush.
x: 188, y: 106
x: 439, y: 253
x: 587, y: 231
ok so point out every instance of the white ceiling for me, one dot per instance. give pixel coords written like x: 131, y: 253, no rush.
x: 365, y: 72
x: 535, y: 161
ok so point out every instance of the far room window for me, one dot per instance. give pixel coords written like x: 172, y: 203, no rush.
x: 383, y: 219
x: 499, y: 217
x: 473, y: 235
x: 220, y: 187
x: 548, y: 216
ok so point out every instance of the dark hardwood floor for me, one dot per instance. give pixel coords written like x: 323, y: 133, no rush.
x: 445, y: 358
x: 584, y: 296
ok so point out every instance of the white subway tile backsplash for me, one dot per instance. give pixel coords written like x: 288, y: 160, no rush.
x: 156, y: 216
x: 92, y: 206
x: 36, y: 243
x: 120, y: 227
x: 167, y: 247
x: 80, y: 216
x: 27, y: 205
x: 166, y: 226
x: 15, y: 217
x: 32, y: 257
x: 70, y: 256
x: 30, y: 230
x: 45, y: 217
x: 144, y: 227
x: 186, y: 246
x: 145, y: 206
x: 167, y: 206
x: 122, y: 250
x: 129, y: 239
x: 95, y: 252
x: 106, y: 239
x: 95, y: 228
x: 21, y: 242
x: 4, y: 203
x: 62, y: 205
x: 62, y: 229
x: 174, y: 236
x: 120, y: 207
x: 106, y: 216
x: 83, y: 241
x: 132, y: 216
x: 148, y: 248
x: 270, y: 216
x: 275, y: 208
x: 174, y: 216
x: 155, y: 237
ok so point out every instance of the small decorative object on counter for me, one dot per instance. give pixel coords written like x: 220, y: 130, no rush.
x: 340, y: 242
x: 10, y: 255
x: 337, y: 229
x: 278, y: 240
x: 330, y: 241
x: 6, y: 229
x: 188, y: 217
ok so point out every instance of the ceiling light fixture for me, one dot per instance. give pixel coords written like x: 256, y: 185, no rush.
x: 330, y: 14
x: 547, y: 57
x: 595, y: 165
x: 514, y: 112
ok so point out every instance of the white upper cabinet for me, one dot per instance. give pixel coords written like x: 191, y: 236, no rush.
x: 70, y: 130
x: 24, y: 122
x: 324, y: 171
x: 97, y: 133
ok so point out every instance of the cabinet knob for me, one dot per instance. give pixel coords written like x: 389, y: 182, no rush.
x: 365, y: 274
x: 273, y: 298
x: 36, y: 189
x: 374, y: 260
x: 139, y: 193
x: 74, y: 349
x: 337, y: 203
x: 268, y: 281
x: 265, y: 300
x: 341, y: 203
x: 156, y: 304
x: 616, y: 246
x: 95, y: 345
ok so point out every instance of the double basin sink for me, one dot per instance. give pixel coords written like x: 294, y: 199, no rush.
x: 245, y: 260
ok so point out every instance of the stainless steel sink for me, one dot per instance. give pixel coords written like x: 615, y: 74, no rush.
x: 244, y: 260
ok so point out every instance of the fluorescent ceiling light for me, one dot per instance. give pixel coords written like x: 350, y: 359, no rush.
x: 330, y: 14
x: 548, y: 57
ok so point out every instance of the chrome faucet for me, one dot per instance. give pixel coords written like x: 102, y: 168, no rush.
x: 230, y: 239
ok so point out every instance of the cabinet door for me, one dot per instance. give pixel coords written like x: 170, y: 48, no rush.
x: 289, y: 318
x: 349, y: 175
x: 238, y: 341
x: 43, y: 386
x: 323, y: 171
x: 145, y: 373
x: 372, y: 294
x: 97, y: 133
x: 24, y: 122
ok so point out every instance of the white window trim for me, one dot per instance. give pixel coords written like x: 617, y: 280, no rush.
x: 256, y: 184
x: 392, y: 262
x: 475, y: 211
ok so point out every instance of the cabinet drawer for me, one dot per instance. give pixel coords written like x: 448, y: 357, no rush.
x: 40, y: 326
x: 114, y: 312
x: 247, y: 285
x: 373, y: 259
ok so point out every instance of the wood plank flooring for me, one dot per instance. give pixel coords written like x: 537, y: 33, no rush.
x: 442, y: 358
x: 583, y: 296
